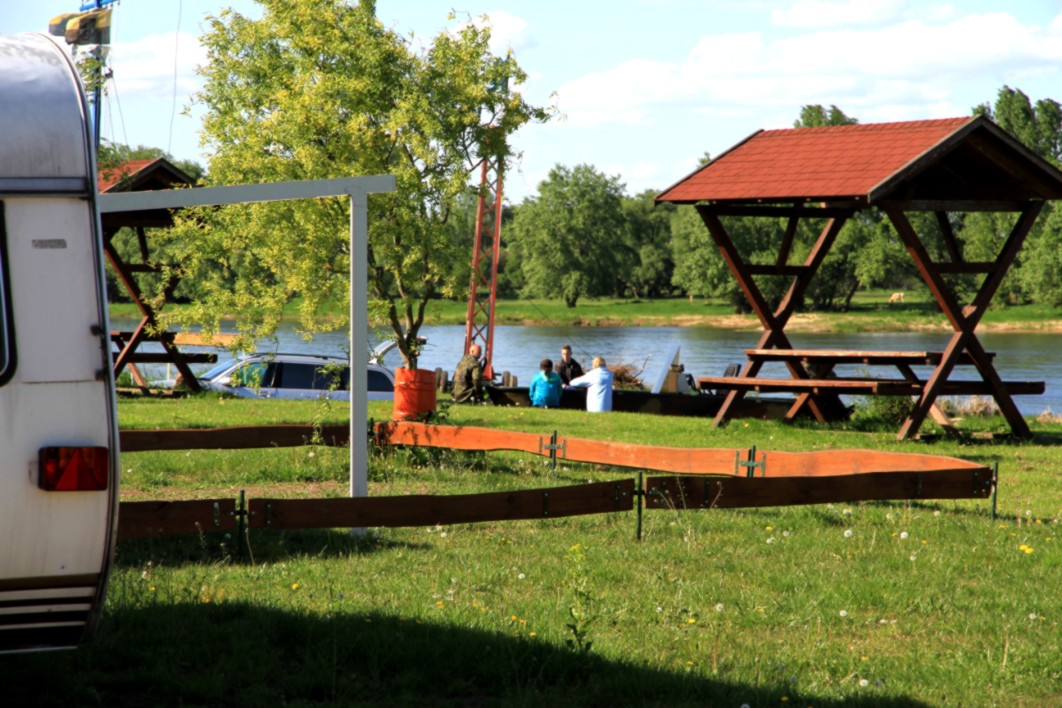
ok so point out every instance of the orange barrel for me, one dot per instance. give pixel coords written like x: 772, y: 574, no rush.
x: 414, y: 394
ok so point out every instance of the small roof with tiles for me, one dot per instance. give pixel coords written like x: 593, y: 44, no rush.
x: 947, y: 159
x: 140, y: 175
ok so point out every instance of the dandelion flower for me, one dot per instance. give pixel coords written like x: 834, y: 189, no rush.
x: 691, y: 620
x: 533, y: 634
x: 294, y: 586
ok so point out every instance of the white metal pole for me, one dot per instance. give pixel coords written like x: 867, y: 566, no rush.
x: 359, y: 353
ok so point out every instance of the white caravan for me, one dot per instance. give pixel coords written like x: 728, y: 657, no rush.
x: 58, y: 423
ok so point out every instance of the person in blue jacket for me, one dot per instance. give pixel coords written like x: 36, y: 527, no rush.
x: 598, y: 384
x: 546, y: 387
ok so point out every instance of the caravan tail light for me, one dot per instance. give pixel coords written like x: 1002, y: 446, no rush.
x: 73, y: 469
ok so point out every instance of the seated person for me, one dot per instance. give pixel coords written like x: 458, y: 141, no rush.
x: 546, y: 387
x: 468, y: 379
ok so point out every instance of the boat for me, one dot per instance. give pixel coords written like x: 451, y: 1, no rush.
x: 634, y: 401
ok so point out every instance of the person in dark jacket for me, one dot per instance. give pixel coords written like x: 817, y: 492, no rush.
x: 568, y: 368
x: 468, y: 379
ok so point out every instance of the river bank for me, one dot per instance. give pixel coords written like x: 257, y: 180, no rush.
x: 869, y: 312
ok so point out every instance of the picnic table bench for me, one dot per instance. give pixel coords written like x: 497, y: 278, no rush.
x: 823, y: 382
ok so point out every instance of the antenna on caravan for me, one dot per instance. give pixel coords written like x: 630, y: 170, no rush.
x: 89, y: 27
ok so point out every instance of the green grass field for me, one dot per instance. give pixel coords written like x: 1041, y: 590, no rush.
x: 892, y: 604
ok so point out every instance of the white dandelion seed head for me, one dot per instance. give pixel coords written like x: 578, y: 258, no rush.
x: 903, y: 535
x: 770, y: 540
x: 913, y: 556
x: 863, y: 683
x: 1032, y: 616
x: 843, y: 613
x: 718, y: 607
x: 521, y: 576
x: 848, y: 533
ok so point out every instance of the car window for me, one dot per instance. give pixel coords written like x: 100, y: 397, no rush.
x: 218, y: 369
x: 256, y: 373
x: 378, y: 381
x: 325, y: 378
x: 295, y: 376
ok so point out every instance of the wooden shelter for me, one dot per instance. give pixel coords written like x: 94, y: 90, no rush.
x: 134, y: 176
x: 939, y: 166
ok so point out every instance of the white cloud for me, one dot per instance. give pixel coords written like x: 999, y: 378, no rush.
x: 153, y: 66
x: 820, y: 13
x: 911, y: 68
x: 507, y: 31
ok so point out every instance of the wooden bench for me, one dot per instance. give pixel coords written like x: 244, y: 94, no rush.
x: 863, y: 386
x: 882, y: 358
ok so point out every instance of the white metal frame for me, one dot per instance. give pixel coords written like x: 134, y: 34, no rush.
x: 358, y: 189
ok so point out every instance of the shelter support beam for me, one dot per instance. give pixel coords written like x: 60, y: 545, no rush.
x: 774, y: 322
x: 964, y: 320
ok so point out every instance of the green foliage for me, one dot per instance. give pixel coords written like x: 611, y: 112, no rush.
x: 815, y: 116
x: 318, y: 89
x: 573, y: 238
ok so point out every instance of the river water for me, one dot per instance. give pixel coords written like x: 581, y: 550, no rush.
x: 705, y: 351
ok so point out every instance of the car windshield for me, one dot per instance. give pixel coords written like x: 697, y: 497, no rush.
x: 217, y: 369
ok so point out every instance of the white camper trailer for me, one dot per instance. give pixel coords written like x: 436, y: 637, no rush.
x: 58, y: 425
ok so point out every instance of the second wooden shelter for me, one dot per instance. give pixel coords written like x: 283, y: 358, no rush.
x: 942, y: 166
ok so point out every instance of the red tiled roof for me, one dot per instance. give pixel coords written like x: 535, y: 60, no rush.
x: 107, y: 177
x: 830, y: 162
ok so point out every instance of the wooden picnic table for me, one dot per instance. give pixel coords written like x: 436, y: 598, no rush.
x: 825, y: 382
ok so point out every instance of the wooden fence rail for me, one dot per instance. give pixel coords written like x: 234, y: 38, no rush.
x: 713, y: 478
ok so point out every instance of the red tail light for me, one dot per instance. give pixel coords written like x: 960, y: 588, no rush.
x: 73, y: 469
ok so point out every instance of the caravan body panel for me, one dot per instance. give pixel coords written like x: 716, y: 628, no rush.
x: 56, y: 389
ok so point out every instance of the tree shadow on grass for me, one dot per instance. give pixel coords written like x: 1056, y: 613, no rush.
x: 240, y: 654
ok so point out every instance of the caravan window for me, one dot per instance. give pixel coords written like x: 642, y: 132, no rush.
x: 6, y: 342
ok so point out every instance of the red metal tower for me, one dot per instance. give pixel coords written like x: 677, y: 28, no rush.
x: 482, y: 291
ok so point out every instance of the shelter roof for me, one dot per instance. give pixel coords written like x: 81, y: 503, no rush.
x: 140, y: 175
x: 968, y: 159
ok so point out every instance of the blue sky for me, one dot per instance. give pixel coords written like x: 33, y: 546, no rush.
x: 643, y: 87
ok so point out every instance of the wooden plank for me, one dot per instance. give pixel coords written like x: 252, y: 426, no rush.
x: 867, y: 386
x: 164, y: 518
x: 428, y: 510
x: 830, y: 463
x: 459, y: 437
x: 234, y: 438
x: 198, y: 340
x: 855, y: 356
x: 601, y: 452
x: 138, y: 357
x: 736, y: 493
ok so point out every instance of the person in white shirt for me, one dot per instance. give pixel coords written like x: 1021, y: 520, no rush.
x: 598, y: 385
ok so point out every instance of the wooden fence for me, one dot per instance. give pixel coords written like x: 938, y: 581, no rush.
x: 712, y: 478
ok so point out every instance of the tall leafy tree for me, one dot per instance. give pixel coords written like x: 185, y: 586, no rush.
x: 573, y: 237
x: 1034, y: 275
x: 318, y: 89
x: 650, y: 243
